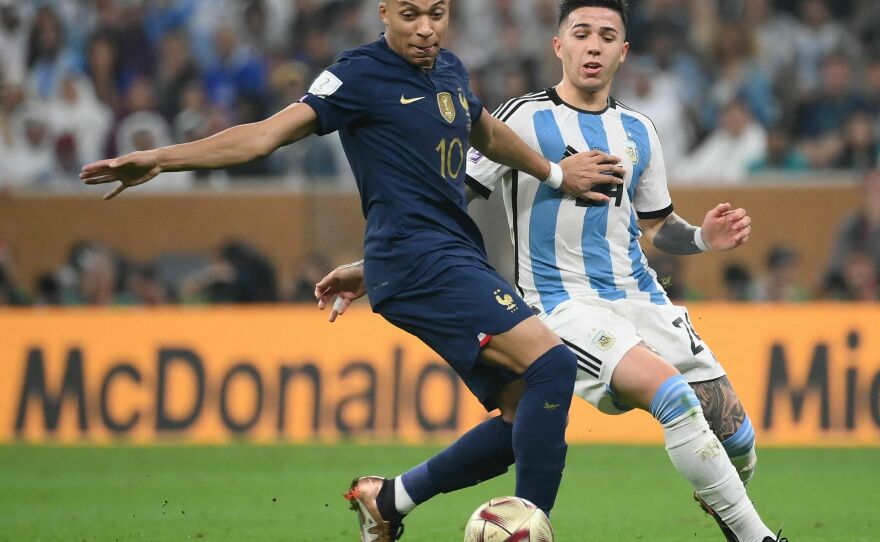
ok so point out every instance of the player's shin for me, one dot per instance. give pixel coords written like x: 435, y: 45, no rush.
x: 484, y: 452
x: 699, y: 457
x: 740, y: 448
x: 539, y: 428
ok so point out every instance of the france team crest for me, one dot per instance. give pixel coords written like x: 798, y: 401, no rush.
x: 447, y: 106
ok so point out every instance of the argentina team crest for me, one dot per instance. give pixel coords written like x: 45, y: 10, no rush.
x: 632, y: 151
x: 447, y: 106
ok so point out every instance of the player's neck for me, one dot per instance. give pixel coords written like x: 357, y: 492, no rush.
x: 581, y: 99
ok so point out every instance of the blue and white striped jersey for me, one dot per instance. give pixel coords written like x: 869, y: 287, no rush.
x: 565, y: 247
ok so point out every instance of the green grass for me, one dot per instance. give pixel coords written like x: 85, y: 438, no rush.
x: 292, y: 493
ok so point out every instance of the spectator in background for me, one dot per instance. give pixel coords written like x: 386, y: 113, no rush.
x: 80, y: 118
x: 10, y: 293
x: 309, y: 271
x: 775, y: 34
x: 14, y: 31
x: 176, y: 70
x: 859, y: 146
x: 98, y: 277
x: 47, y: 59
x: 725, y: 156
x: 142, y: 128
x: 105, y: 68
x: 235, y: 74
x: 859, y: 233
x: 146, y: 286
x: 737, y: 76
x: 858, y: 280
x: 30, y: 159
x: 738, y: 283
x: 821, y: 118
x: 818, y: 35
x: 239, y: 274
x: 681, y: 69
x: 780, y: 280
x: 781, y: 156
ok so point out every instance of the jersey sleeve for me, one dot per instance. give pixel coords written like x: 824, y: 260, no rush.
x: 338, y: 95
x: 483, y: 174
x: 652, y: 198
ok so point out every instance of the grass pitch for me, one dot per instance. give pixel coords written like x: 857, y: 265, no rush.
x: 293, y: 493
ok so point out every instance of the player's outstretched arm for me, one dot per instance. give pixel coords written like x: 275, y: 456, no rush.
x: 341, y: 287
x: 723, y: 229
x: 579, y: 173
x: 235, y: 145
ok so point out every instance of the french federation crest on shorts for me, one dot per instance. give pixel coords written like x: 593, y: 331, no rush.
x: 603, y: 340
x: 447, y: 106
x: 632, y: 151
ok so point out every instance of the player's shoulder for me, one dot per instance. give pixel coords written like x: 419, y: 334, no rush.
x: 638, y: 115
x: 511, y: 109
x: 369, y: 59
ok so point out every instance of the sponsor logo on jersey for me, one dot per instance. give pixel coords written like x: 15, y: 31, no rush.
x: 447, y: 106
x: 325, y: 85
x: 474, y: 156
x: 603, y: 340
x: 506, y: 300
x: 406, y: 101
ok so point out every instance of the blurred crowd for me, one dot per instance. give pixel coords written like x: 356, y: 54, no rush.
x: 237, y: 272
x: 736, y: 88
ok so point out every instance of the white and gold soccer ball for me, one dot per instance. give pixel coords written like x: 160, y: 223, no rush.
x: 508, y: 519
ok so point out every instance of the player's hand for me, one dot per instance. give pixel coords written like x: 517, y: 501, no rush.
x: 584, y: 170
x: 129, y: 170
x: 341, y: 287
x: 725, y: 228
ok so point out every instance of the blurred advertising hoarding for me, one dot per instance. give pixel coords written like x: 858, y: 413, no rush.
x: 807, y: 374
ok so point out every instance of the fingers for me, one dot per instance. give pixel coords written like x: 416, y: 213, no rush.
x: 720, y: 210
x: 594, y: 196
x: 116, y: 191
x: 100, y: 165
x: 339, y: 307
x: 735, y: 216
x: 99, y: 179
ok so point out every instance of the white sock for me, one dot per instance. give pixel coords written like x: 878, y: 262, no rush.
x: 745, y: 465
x: 402, y: 501
x: 699, y: 457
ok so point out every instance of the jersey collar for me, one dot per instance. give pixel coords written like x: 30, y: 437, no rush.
x: 554, y: 97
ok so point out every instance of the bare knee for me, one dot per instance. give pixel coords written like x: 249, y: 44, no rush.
x: 639, y: 375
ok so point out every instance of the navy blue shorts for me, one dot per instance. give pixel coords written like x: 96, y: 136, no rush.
x: 456, y: 312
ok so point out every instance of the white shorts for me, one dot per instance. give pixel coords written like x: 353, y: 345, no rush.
x: 601, y: 332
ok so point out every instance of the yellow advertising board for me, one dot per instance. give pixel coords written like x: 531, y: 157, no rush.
x: 807, y: 374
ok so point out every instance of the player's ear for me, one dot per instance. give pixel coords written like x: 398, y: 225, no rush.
x: 557, y: 46
x: 383, y: 12
x: 623, y: 51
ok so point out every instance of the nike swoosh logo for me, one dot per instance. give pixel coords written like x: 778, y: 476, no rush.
x: 407, y: 101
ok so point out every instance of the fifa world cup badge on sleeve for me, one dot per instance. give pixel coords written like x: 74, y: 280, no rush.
x: 325, y: 85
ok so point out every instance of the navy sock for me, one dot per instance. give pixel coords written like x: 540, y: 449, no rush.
x: 484, y: 452
x: 539, y: 428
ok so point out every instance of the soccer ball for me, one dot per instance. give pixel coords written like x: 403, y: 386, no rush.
x: 508, y: 519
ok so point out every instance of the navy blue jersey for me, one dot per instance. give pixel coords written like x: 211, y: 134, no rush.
x: 405, y: 132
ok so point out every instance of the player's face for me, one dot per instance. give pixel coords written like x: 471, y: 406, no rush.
x: 414, y: 29
x: 591, y: 46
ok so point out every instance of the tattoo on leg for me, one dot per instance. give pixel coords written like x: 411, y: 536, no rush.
x: 721, y: 406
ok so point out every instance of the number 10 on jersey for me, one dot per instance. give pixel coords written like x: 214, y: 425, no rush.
x: 451, y: 157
